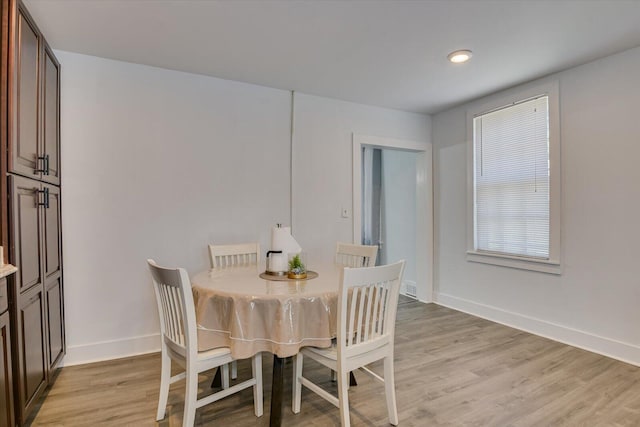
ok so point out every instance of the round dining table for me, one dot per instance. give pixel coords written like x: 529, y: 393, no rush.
x: 250, y: 312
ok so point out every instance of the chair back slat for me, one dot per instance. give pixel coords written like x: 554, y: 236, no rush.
x: 355, y: 256
x: 376, y: 320
x: 166, y: 315
x: 386, y: 294
x: 175, y: 307
x: 367, y: 313
x: 368, y: 302
x: 165, y: 324
x: 358, y: 324
x: 371, y: 317
x: 352, y: 314
x: 234, y: 255
x: 169, y: 315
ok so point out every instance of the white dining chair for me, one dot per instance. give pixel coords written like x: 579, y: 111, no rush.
x: 235, y: 255
x: 180, y: 344
x: 351, y: 255
x: 367, y: 305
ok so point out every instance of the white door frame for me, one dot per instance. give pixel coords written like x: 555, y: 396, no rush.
x: 424, y: 203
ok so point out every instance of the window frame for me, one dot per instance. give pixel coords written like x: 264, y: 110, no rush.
x: 552, y: 264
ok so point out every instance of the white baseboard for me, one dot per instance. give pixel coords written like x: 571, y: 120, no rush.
x: 629, y: 353
x: 624, y: 352
x: 107, y: 350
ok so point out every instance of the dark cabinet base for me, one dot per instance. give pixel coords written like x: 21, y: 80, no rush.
x: 6, y: 381
x: 36, y: 288
x: 32, y: 355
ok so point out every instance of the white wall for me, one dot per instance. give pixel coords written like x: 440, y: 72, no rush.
x: 594, y: 303
x: 399, y: 189
x: 157, y: 164
x: 322, y: 165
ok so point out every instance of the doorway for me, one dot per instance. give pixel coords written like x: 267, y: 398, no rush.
x: 392, y: 206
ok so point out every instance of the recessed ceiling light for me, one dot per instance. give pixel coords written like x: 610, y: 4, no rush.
x: 460, y: 56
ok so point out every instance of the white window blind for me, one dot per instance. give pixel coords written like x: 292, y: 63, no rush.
x: 511, y: 179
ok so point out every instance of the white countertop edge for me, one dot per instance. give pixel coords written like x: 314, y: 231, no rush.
x: 7, y: 269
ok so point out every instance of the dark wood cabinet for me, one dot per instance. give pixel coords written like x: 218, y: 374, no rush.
x: 25, y: 138
x: 50, y: 147
x: 30, y: 214
x: 55, y: 322
x: 6, y: 380
x: 27, y: 223
x: 31, y: 352
x: 37, y: 252
x: 34, y: 150
x: 52, y: 265
x: 7, y: 402
x: 35, y: 216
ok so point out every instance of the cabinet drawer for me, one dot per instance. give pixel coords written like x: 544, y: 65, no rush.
x: 4, y: 299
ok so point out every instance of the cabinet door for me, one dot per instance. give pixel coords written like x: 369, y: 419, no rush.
x: 6, y: 383
x: 55, y: 323
x: 52, y: 234
x: 25, y: 138
x: 26, y: 195
x: 31, y: 352
x: 51, y: 118
x: 53, y: 275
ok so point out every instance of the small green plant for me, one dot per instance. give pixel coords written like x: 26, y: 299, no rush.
x: 296, y: 266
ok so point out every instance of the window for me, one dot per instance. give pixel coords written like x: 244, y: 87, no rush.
x: 514, y: 200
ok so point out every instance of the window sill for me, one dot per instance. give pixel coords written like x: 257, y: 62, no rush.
x: 532, y: 264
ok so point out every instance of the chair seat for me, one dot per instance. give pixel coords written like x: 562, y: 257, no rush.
x: 364, y: 354
x: 215, y: 357
x: 214, y: 353
x: 328, y: 352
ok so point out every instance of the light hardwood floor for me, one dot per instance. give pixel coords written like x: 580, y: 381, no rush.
x: 452, y: 369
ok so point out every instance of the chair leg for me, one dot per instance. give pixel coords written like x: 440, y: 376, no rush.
x: 165, y: 382
x: 256, y: 368
x: 225, y: 376
x: 297, y: 386
x: 343, y: 397
x: 334, y: 376
x: 390, y: 390
x: 190, y: 397
x: 234, y: 370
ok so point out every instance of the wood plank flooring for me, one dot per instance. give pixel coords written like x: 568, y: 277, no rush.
x: 452, y: 369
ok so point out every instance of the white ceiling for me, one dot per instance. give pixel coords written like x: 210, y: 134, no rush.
x: 386, y: 53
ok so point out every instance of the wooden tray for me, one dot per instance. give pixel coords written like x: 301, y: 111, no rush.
x: 284, y: 278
